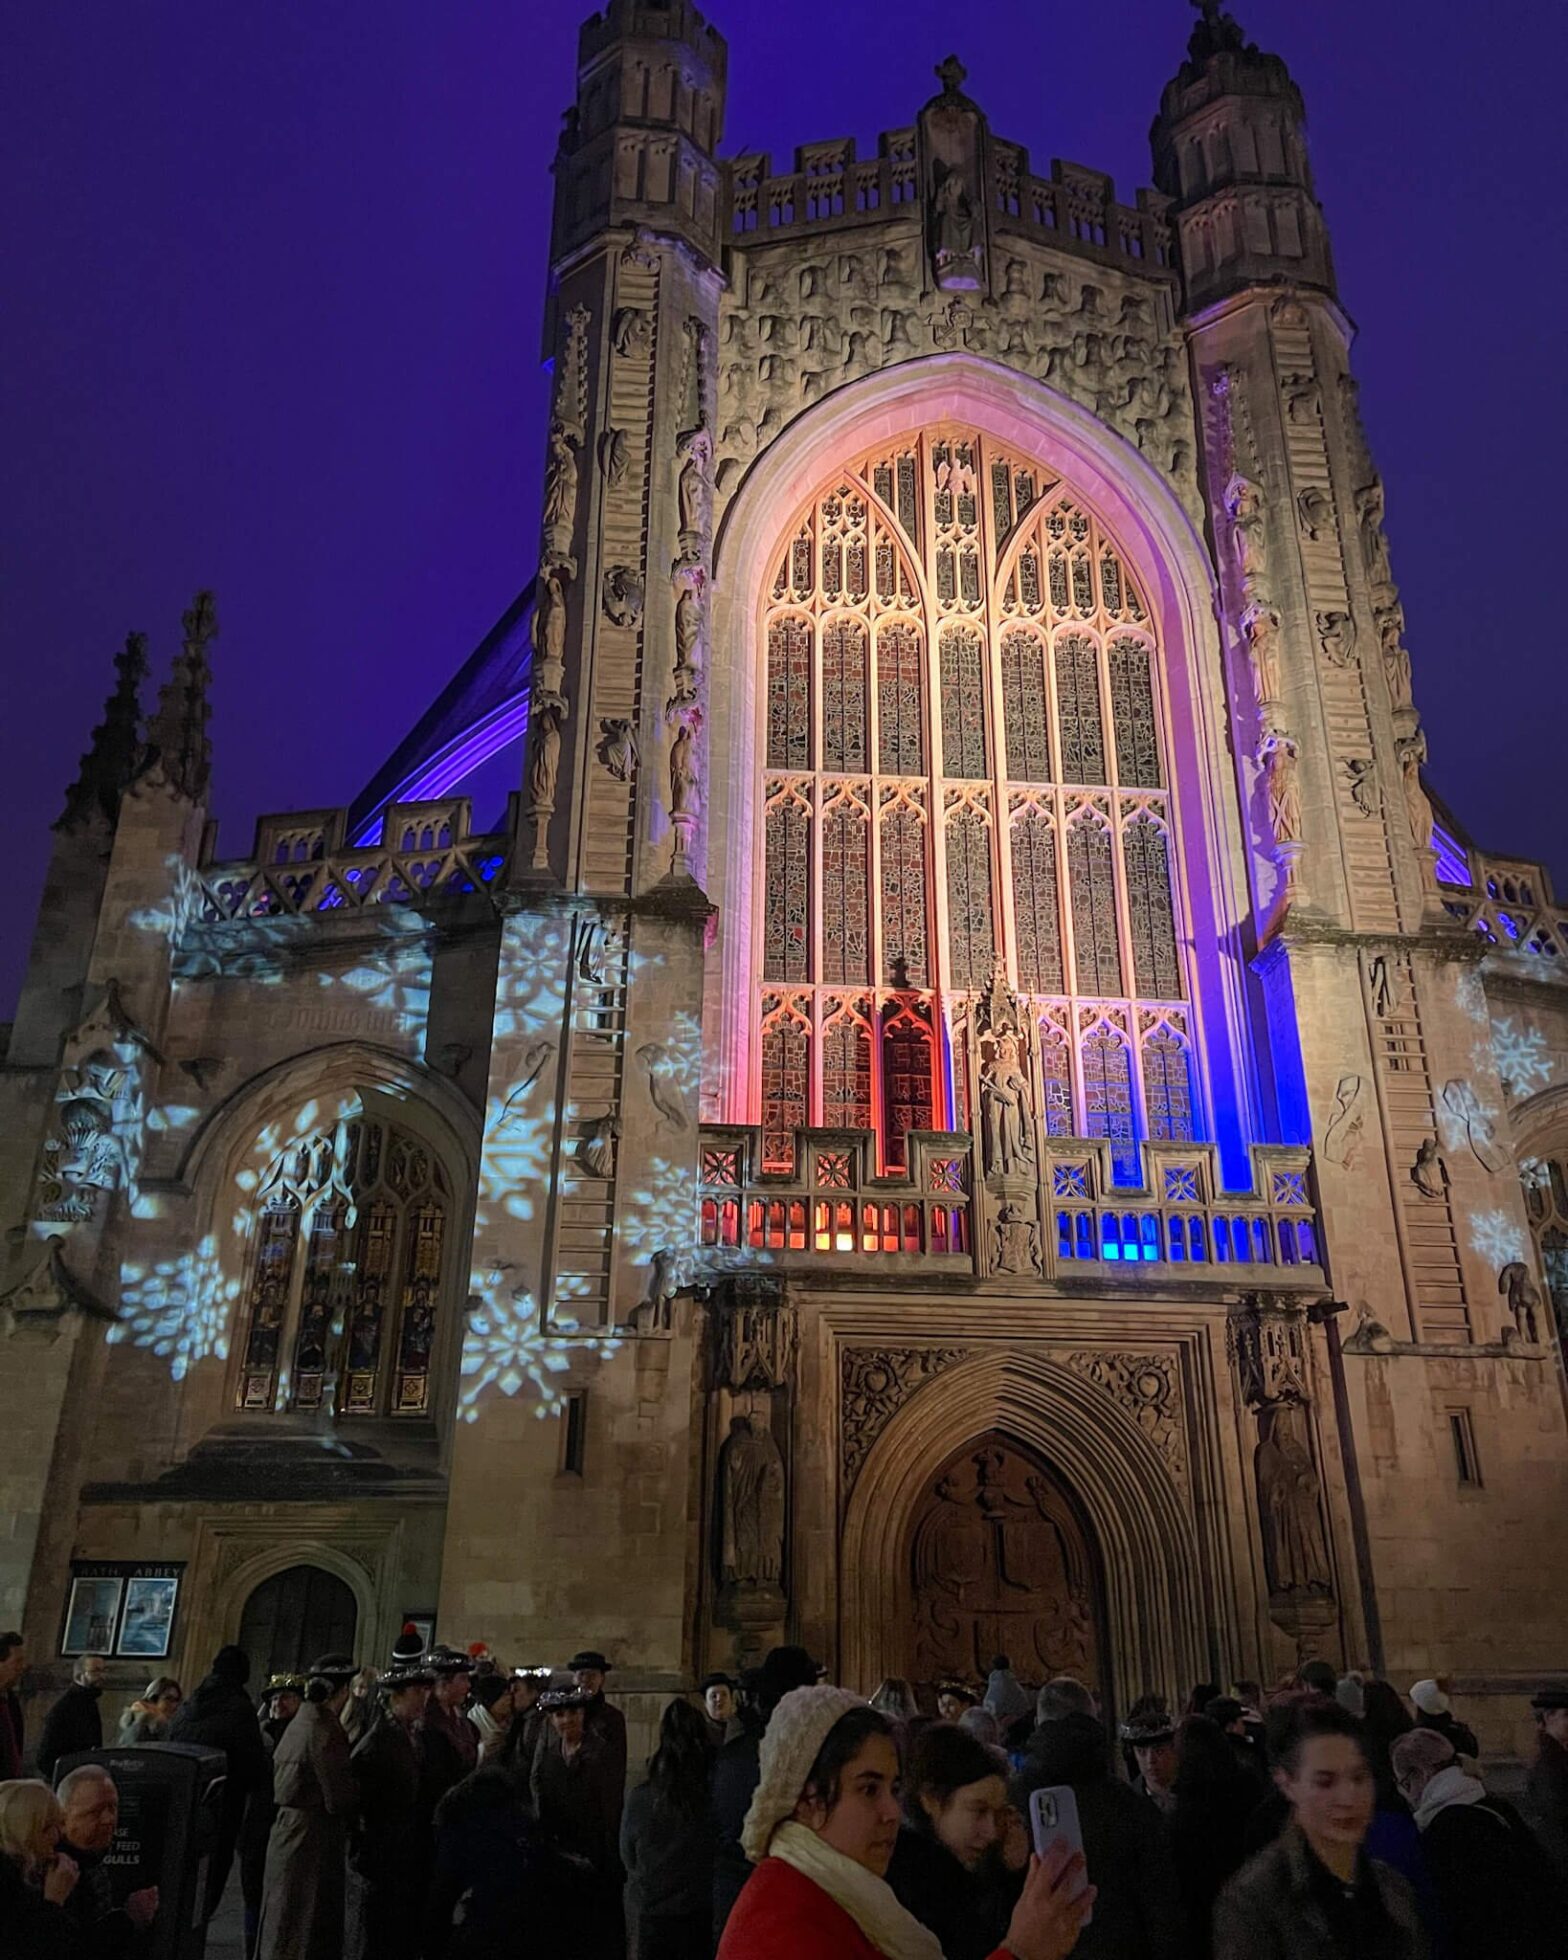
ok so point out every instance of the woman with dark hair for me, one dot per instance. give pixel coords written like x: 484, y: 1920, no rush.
x: 1212, y: 1799
x: 667, y: 1841
x: 821, y: 1831
x: 1315, y: 1894
x: 945, y: 1866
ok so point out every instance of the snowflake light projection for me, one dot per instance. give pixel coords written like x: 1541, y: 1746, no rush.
x: 180, y: 1308
x: 1498, y: 1238
x: 1470, y: 996
x: 1521, y: 1056
x: 1534, y: 1175
x: 506, y: 1349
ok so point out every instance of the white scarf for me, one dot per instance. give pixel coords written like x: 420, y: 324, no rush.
x: 867, y: 1899
x: 1450, y: 1785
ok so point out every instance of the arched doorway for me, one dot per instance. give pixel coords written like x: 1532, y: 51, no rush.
x: 295, y: 1616
x: 1000, y: 1561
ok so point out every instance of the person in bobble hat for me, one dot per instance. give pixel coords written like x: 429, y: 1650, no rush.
x: 389, y: 1849
x: 821, y: 1831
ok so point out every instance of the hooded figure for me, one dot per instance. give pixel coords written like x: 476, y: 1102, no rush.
x: 219, y: 1715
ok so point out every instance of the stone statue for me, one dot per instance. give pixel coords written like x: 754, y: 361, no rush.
x: 560, y: 491
x: 613, y: 458
x: 621, y: 595
x: 1364, y: 791
x: 752, y: 1474
x: 1249, y: 542
x: 688, y: 630
x: 1429, y: 1174
x: 629, y: 330
x: 694, y: 487
x: 1411, y: 750
x: 1337, y: 636
x: 544, y: 769
x: 1345, y: 1124
x: 685, y: 795
x: 1295, y: 1549
x: 618, y: 749
x: 1260, y: 629
x: 596, y: 1152
x: 657, y: 1311
x: 549, y: 621
x: 1004, y: 1111
x: 1374, y: 544
x: 1396, y: 657
x: 1315, y: 510
x: 1017, y: 1241
x: 663, y: 1091
x: 955, y: 223
x: 1524, y: 1299
x: 1277, y: 758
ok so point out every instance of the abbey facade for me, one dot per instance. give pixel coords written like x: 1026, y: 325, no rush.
x: 969, y: 1103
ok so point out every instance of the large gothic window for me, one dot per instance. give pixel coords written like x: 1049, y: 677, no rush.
x: 964, y: 762
x: 345, y: 1273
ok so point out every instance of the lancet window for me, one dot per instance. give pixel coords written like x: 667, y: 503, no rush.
x: 343, y: 1293
x: 964, y: 763
x: 1546, y: 1204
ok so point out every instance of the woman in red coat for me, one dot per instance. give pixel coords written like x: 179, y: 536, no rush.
x: 820, y: 1832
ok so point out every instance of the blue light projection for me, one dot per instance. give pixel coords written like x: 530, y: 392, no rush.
x: 1498, y: 1238
x: 180, y: 1308
x: 1521, y: 1056
x: 506, y: 1349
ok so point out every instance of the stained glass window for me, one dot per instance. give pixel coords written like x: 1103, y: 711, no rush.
x: 786, y: 1086
x: 971, y: 911
x: 1024, y: 708
x: 1132, y: 715
x: 1091, y: 879
x: 844, y: 743
x: 1107, y: 1096
x: 846, y: 885
x: 368, y: 1204
x: 846, y: 1072
x: 1036, y: 904
x: 1149, y: 910
x: 904, y: 901
x: 1167, y: 1087
x: 1078, y: 710
x: 789, y: 694
x: 906, y: 1091
x: 963, y: 704
x: 787, y: 933
x: 900, y: 701
x: 905, y: 598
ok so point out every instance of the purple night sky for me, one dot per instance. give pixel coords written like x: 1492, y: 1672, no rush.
x: 272, y: 325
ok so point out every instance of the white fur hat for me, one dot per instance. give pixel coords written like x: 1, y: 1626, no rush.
x: 1429, y: 1698
x: 796, y: 1730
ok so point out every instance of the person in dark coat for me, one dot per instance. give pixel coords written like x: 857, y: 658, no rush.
x: 601, y: 1718
x: 578, y: 1788
x: 89, y: 1812
x: 449, y: 1744
x: 667, y: 1842
x: 1314, y: 1893
x: 279, y: 1704
x: 75, y: 1722
x: 219, y: 1715
x: 1137, y: 1915
x: 389, y: 1845
x: 945, y: 1867
x: 1548, y: 1779
x: 1494, y: 1888
x: 302, y: 1900
x: 489, y: 1857
x: 737, y: 1769
x: 13, y: 1665
x: 525, y: 1732
x: 1213, y: 1798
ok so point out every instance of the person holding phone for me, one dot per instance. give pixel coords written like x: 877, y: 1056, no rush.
x: 1314, y: 1894
x: 821, y: 1831
x: 946, y: 1866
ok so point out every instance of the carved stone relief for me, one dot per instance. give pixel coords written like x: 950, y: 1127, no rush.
x: 875, y: 1383
x: 1267, y: 1339
x: 751, y: 1479
x: 1524, y: 1300
x: 621, y: 596
x: 618, y: 748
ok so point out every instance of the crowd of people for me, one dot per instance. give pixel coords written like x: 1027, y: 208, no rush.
x: 449, y: 1808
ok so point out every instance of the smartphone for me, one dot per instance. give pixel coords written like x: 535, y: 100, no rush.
x: 1053, y: 1819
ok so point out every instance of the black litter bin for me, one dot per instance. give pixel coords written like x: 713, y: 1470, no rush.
x: 170, y: 1796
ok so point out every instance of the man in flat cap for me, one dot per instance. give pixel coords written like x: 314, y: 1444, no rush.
x: 449, y: 1742
x: 389, y: 1849
x: 1548, y: 1784
x: 1151, y: 1736
x: 302, y: 1896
